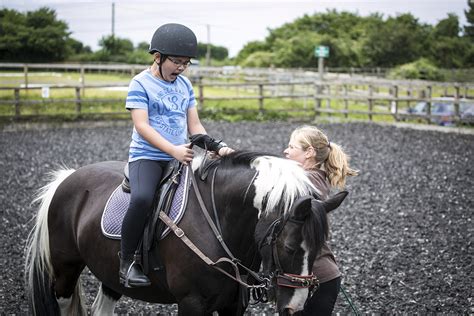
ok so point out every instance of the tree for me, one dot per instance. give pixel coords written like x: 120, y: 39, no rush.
x: 36, y: 36
x: 113, y: 45
x: 145, y: 46
x: 448, y: 27
x: 250, y: 48
x: 448, y: 49
x: 397, y: 41
x: 217, y: 52
x: 469, y: 28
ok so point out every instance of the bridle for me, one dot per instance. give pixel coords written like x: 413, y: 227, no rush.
x: 262, y: 291
x: 282, y: 279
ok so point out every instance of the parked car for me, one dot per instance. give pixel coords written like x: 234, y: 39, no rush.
x: 443, y: 111
x: 467, y: 113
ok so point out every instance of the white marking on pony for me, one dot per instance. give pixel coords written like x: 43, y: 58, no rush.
x: 197, y: 161
x: 37, y: 250
x: 280, y: 181
x: 299, y: 297
x: 64, y: 305
x: 103, y: 304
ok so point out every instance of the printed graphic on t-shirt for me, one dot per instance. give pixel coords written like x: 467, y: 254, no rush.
x: 171, y: 107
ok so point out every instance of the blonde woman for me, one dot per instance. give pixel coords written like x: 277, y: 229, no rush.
x: 328, y: 167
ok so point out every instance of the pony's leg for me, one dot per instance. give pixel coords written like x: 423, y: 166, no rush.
x: 68, y: 290
x: 233, y: 310
x: 192, y: 305
x: 105, y: 301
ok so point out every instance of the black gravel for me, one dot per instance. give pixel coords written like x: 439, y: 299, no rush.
x: 403, y: 237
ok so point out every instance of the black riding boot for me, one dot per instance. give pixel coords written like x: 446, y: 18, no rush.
x: 131, y: 274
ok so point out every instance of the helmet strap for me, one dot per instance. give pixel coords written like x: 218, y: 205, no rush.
x: 162, y: 60
x: 159, y: 63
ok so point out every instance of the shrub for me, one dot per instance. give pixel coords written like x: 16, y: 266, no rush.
x: 420, y: 69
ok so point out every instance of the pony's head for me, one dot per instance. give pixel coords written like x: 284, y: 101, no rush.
x: 291, y: 222
x: 291, y: 231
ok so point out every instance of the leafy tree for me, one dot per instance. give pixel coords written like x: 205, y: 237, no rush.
x: 113, y: 45
x: 217, y: 52
x: 34, y: 36
x: 448, y: 27
x: 397, y: 41
x: 250, y: 48
x: 77, y: 47
x: 448, y: 49
x: 469, y: 28
x: 259, y: 59
x: 145, y: 46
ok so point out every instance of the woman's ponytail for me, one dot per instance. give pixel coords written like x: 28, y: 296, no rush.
x: 337, y: 166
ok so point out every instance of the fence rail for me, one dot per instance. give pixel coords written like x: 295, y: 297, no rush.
x: 379, y: 98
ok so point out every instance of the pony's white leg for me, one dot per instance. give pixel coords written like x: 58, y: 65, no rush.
x: 104, y: 304
x: 64, y: 305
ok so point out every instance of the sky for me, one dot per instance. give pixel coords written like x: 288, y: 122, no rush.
x: 231, y: 24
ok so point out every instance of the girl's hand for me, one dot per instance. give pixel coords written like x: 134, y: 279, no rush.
x: 183, y: 153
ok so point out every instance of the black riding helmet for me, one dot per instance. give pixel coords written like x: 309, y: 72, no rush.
x: 174, y: 39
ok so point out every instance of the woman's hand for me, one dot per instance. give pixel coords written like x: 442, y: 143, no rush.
x: 183, y: 153
x: 225, y: 151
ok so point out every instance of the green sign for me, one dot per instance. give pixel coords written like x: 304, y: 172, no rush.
x: 321, y: 51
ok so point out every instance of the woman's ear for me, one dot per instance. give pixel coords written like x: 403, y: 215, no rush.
x: 310, y: 152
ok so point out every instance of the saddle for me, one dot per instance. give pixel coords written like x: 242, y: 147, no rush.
x: 170, y: 197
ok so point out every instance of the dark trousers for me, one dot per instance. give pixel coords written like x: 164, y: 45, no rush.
x: 145, y: 175
x: 322, y: 302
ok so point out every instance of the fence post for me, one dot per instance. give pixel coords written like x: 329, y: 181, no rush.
x: 83, y: 80
x: 260, y: 99
x: 201, y: 95
x: 456, y: 101
x: 409, y: 94
x: 371, y: 101
x: 328, y: 100
x: 395, y: 102
x: 25, y: 72
x: 17, y: 103
x: 78, y: 100
x: 317, y: 99
x: 346, y: 102
x: 428, y: 104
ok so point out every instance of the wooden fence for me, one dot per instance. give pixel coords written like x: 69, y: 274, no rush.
x: 378, y: 98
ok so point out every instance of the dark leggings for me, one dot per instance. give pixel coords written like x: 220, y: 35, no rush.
x: 144, y: 178
x: 322, y: 302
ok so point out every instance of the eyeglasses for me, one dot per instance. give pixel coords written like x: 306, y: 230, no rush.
x: 291, y: 146
x: 179, y: 62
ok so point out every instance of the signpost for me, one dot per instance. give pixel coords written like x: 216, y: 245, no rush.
x: 321, y: 52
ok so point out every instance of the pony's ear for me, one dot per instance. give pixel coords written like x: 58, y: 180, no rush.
x: 334, y: 201
x: 301, y: 207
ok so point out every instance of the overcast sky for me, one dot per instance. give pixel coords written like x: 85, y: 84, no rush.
x: 231, y: 23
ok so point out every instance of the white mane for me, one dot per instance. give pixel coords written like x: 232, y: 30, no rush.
x: 280, y: 181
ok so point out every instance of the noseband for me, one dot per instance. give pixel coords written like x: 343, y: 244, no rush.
x: 295, y: 281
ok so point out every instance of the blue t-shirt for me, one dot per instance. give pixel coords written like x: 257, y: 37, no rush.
x: 167, y: 104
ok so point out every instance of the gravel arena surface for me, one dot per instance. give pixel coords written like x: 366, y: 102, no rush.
x: 403, y: 237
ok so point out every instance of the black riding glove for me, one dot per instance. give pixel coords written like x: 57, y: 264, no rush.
x: 206, y: 142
